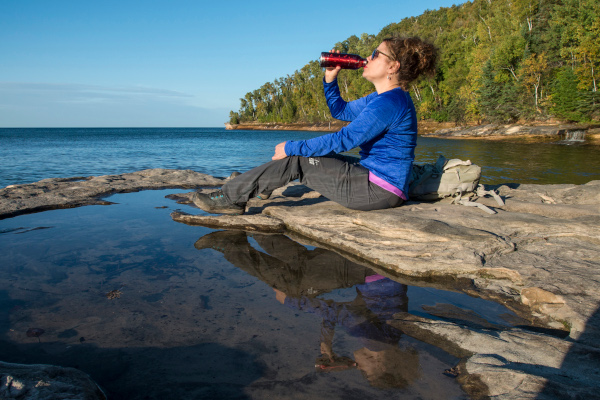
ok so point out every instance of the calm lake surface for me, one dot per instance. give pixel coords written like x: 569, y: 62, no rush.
x: 154, y: 309
x: 29, y: 155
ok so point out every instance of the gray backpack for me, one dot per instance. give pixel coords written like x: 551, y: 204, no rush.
x: 443, y: 179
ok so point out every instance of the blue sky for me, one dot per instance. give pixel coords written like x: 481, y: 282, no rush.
x: 164, y: 63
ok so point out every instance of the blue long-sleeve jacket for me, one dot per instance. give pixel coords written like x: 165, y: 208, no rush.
x: 383, y: 125
x: 365, y: 316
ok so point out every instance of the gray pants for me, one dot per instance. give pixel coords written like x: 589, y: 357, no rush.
x: 338, y: 178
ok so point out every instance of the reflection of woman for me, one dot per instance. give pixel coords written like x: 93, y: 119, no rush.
x: 286, y: 265
x: 377, y: 300
x: 384, y: 125
x: 298, y: 276
x: 381, y: 360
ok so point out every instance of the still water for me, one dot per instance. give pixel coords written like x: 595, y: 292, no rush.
x: 29, y: 155
x: 154, y: 309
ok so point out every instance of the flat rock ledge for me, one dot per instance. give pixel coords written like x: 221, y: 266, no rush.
x: 57, y: 193
x: 46, y: 382
x: 539, y: 254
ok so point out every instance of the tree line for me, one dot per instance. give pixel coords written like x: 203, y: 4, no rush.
x: 500, y: 61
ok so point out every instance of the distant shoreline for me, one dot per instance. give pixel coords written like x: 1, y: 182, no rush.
x: 525, y: 131
x: 334, y: 126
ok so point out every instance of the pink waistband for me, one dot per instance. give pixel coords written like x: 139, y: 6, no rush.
x: 384, y: 185
x: 373, y: 278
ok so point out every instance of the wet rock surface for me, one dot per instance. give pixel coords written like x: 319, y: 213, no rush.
x: 512, y: 364
x: 539, y: 252
x: 46, y: 382
x: 56, y: 193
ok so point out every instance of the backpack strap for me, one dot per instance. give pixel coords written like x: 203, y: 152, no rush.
x: 466, y: 202
x: 481, y: 192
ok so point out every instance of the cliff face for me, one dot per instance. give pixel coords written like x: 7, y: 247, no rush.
x: 333, y: 126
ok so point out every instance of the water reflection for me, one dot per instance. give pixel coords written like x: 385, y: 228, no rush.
x: 149, y: 309
x: 187, y: 323
x: 302, y: 277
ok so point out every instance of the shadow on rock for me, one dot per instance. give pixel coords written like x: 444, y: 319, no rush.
x: 581, y: 362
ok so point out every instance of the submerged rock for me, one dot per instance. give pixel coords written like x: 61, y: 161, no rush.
x: 512, y: 364
x: 46, y: 382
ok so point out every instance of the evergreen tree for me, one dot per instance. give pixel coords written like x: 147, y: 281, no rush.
x: 497, y: 97
x: 566, y: 96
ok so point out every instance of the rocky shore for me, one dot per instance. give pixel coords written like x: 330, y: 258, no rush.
x: 538, y: 254
x: 57, y: 193
x: 332, y: 126
x: 558, y: 132
x: 589, y: 133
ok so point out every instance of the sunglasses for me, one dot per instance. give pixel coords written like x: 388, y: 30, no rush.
x: 377, y: 52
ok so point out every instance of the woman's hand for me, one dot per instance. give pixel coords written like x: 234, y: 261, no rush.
x: 332, y: 73
x: 279, y: 152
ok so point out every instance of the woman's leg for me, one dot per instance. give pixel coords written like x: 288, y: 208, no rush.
x: 340, y: 179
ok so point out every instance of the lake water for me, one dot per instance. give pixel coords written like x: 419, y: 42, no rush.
x: 154, y: 309
x: 29, y: 155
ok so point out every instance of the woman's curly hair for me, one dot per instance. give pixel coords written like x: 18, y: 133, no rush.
x: 416, y: 57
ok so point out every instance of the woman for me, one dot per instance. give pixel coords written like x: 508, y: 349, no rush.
x: 384, y: 125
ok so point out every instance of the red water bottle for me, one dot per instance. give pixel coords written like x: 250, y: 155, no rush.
x: 346, y: 61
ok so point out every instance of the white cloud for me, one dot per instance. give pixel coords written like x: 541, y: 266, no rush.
x: 79, y: 92
x: 26, y: 104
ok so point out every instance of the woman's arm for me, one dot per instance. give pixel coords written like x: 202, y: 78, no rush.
x: 371, y: 122
x: 339, y: 108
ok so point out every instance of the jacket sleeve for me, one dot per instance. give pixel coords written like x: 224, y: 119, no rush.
x: 374, y: 119
x: 339, y: 108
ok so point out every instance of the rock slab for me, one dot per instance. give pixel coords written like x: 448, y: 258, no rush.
x: 46, y: 382
x: 55, y: 193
